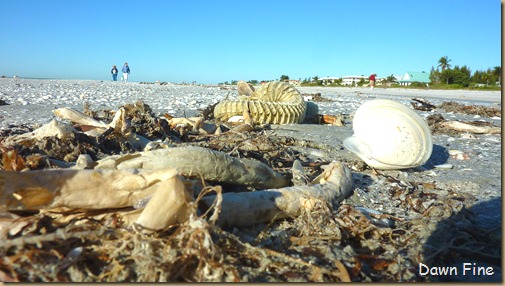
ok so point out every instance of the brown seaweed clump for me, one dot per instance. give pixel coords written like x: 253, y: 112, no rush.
x: 451, y: 106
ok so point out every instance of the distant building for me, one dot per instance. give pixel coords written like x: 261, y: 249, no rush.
x: 295, y: 82
x: 410, y: 77
x: 353, y: 79
x: 329, y: 80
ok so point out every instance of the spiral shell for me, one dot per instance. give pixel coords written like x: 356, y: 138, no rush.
x: 274, y: 103
x: 390, y: 135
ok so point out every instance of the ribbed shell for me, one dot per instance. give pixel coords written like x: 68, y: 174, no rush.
x: 274, y: 103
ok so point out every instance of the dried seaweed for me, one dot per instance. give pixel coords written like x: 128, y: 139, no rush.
x: 353, y: 241
x: 451, y: 106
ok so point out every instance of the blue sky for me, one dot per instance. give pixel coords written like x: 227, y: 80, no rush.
x: 212, y: 41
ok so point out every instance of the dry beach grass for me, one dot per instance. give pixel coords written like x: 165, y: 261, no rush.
x: 445, y: 213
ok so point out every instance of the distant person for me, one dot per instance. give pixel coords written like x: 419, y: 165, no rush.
x: 114, y: 73
x: 372, y: 80
x: 126, y: 71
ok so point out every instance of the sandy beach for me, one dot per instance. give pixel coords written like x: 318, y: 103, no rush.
x: 31, y: 101
x: 470, y: 182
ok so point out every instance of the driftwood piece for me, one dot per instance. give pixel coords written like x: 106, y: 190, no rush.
x: 194, y: 162
x: 243, y: 209
x: 87, y: 189
x: 465, y: 127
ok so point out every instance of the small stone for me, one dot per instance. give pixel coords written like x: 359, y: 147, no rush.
x: 84, y: 161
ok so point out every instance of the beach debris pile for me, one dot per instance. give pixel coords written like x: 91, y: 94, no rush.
x: 316, y: 97
x: 129, y: 196
x: 451, y: 106
x: 440, y: 125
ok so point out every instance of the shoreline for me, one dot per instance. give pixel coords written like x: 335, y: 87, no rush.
x: 31, y: 101
x: 462, y: 94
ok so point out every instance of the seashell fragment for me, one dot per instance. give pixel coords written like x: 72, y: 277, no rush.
x: 245, y: 88
x: 78, y: 117
x: 168, y: 206
x: 390, y: 135
x: 459, y: 155
x: 465, y: 127
x: 444, y: 166
x: 53, y: 128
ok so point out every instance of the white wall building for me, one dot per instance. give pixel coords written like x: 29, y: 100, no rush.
x: 329, y: 80
x: 353, y: 79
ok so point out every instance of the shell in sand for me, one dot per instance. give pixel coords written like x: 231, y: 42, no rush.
x: 390, y: 135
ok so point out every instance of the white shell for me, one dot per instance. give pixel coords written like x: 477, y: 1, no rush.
x: 390, y: 135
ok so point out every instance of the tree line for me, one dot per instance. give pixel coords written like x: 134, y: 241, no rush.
x: 462, y: 76
x: 443, y: 76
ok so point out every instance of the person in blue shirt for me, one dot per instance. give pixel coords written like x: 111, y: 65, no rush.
x: 114, y: 73
x: 126, y: 71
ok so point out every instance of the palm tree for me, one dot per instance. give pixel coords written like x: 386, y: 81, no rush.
x: 485, y: 77
x: 443, y: 62
x: 497, y: 72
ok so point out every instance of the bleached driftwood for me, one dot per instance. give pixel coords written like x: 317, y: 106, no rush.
x: 465, y: 127
x: 243, y: 209
x: 194, y: 162
x: 53, y: 128
x: 88, y: 189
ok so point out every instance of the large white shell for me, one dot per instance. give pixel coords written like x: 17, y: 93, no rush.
x: 390, y: 135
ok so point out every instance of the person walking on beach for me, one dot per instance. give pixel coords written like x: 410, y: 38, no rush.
x: 114, y: 73
x: 372, y: 80
x: 126, y: 71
